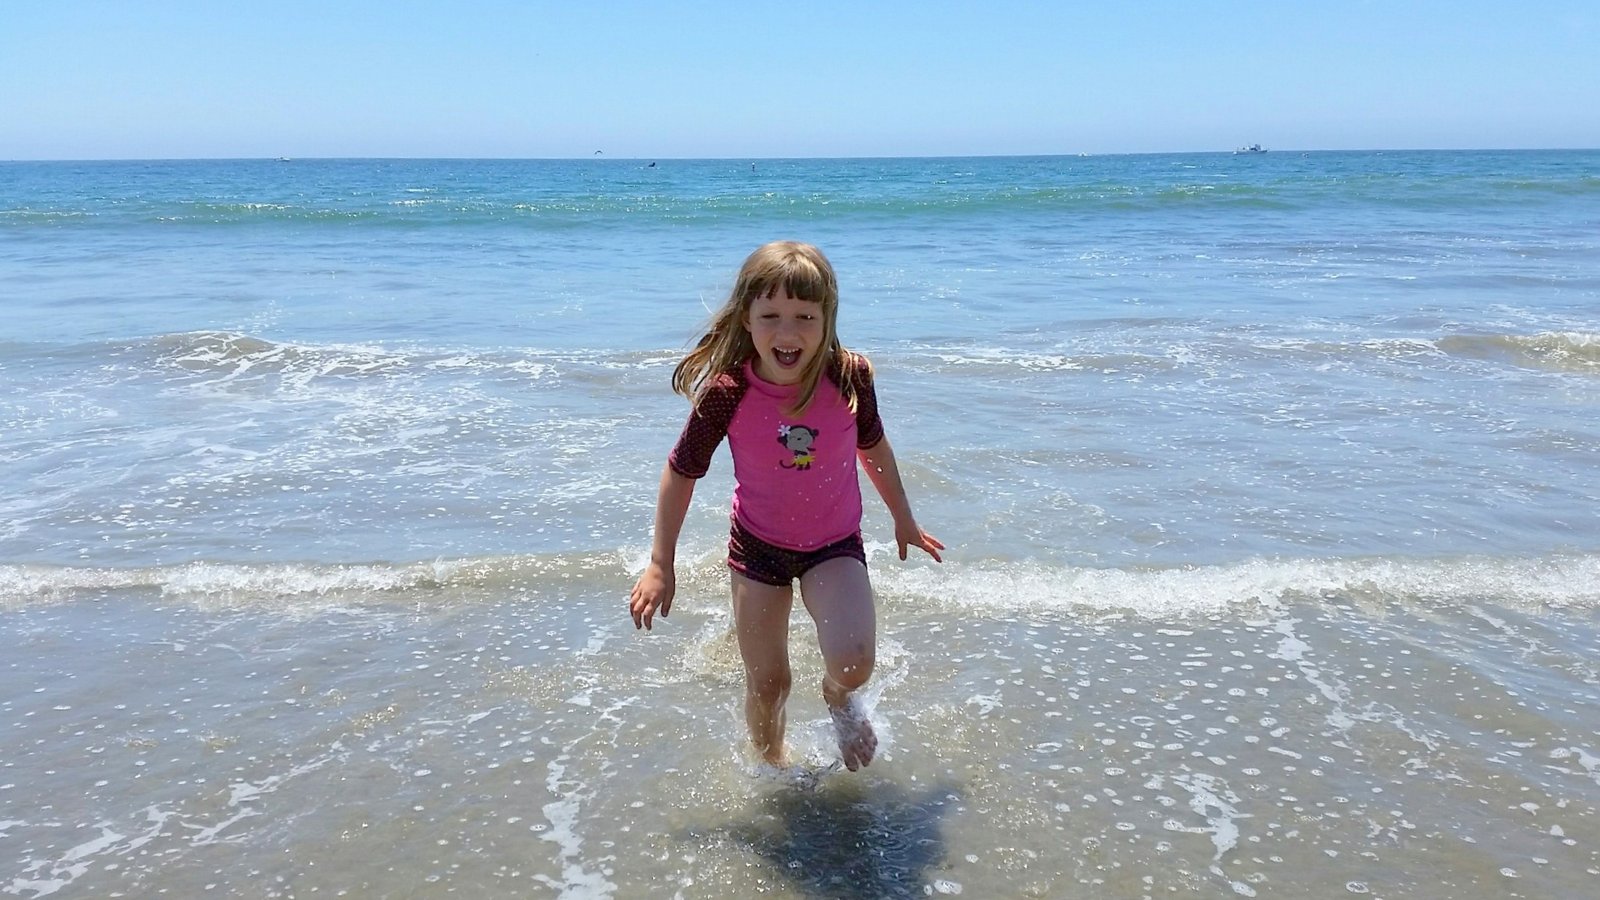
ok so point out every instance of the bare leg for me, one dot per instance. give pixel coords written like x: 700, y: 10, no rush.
x: 839, y: 598
x: 761, y: 621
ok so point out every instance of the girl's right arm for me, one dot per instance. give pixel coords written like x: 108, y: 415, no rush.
x: 656, y: 586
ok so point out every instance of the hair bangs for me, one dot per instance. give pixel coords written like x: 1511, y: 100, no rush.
x: 793, y: 273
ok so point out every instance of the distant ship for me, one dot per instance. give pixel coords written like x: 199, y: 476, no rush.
x: 1253, y: 148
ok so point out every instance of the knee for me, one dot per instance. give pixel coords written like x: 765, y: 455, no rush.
x: 853, y: 670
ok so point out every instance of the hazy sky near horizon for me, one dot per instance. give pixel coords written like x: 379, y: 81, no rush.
x: 101, y: 79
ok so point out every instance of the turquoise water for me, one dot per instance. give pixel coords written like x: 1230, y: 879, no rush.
x: 321, y: 474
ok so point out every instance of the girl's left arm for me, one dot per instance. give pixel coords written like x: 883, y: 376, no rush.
x: 885, y: 476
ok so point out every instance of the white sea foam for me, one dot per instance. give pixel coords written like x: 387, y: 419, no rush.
x: 1557, y: 581
x: 235, y: 356
x: 1211, y: 799
x: 565, y: 816
x: 48, y: 876
x: 1589, y: 761
x: 198, y: 581
x: 1560, y: 581
x: 1001, y: 359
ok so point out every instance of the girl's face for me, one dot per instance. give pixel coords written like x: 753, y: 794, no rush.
x: 787, y: 333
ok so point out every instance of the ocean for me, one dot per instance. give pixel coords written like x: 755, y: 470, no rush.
x: 1270, y: 481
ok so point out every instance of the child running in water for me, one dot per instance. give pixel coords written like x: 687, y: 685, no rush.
x: 797, y: 410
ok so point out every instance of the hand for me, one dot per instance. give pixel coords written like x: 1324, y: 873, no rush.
x: 654, y: 591
x: 909, y: 535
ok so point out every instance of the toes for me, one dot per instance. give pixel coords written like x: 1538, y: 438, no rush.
x: 867, y: 750
x: 858, y: 743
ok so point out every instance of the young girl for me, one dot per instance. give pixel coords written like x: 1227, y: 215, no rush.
x: 798, y: 410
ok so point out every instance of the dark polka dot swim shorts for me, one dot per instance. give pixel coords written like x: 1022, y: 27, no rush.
x: 760, y: 561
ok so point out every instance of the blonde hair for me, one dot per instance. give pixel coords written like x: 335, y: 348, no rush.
x: 781, y: 266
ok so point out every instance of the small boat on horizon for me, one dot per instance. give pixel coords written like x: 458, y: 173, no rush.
x: 1253, y: 148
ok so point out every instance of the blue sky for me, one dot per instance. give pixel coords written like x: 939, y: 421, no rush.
x: 96, y: 79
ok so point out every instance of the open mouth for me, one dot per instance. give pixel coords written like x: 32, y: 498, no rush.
x: 786, y: 358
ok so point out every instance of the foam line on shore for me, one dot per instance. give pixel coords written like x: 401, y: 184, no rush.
x: 1568, y: 580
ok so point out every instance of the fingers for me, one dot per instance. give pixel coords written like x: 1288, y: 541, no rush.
x: 926, y: 542
x: 643, y: 606
x: 641, y: 609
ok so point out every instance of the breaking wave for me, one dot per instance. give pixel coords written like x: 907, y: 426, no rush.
x: 1560, y: 581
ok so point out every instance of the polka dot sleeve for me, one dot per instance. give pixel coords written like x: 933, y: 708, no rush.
x: 869, y: 428
x: 707, y: 426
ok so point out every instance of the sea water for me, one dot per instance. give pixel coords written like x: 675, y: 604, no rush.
x: 1271, y: 486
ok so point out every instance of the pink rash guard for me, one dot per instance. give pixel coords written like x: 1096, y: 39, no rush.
x: 794, y: 477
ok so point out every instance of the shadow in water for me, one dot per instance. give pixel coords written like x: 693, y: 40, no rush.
x: 850, y: 839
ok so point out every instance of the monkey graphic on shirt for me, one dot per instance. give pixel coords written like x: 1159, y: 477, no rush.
x: 799, y: 439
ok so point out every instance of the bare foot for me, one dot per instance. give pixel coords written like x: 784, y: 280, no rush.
x: 857, y: 742
x: 777, y: 759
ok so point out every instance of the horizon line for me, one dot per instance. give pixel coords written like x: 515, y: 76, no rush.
x: 599, y: 156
